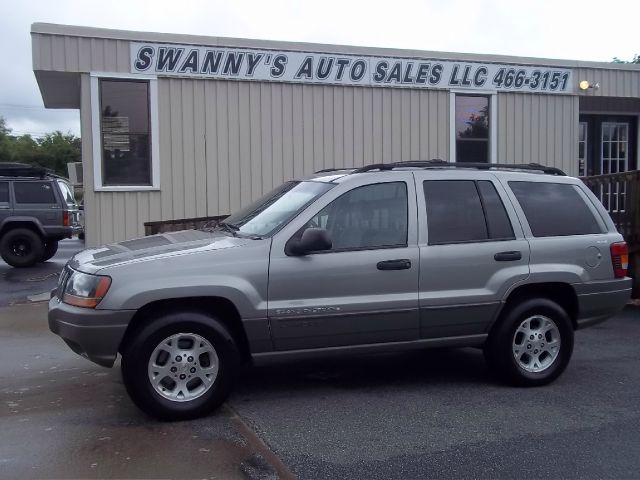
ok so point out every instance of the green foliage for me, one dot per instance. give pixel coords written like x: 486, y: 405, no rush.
x: 52, y: 151
x: 636, y: 59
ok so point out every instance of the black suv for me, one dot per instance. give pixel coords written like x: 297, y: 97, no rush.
x: 37, y: 209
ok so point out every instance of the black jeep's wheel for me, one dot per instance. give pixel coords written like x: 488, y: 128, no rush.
x: 532, y: 344
x: 21, y: 247
x: 180, y: 365
x: 50, y: 249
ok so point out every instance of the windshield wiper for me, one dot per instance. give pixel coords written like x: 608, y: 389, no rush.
x: 229, y: 227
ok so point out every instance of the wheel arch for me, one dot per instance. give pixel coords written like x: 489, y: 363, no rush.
x: 559, y: 292
x: 22, y: 222
x: 224, y: 310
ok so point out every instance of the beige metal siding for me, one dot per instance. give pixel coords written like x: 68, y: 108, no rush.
x: 538, y: 128
x: 613, y: 83
x: 225, y: 143
x: 79, y: 54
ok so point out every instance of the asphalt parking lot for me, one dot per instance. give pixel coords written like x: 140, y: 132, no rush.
x: 18, y: 284
x: 411, y: 415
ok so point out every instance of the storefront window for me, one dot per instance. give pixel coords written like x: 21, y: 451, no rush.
x: 125, y: 131
x: 472, y: 128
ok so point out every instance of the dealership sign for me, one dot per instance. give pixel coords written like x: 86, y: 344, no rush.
x: 337, y: 69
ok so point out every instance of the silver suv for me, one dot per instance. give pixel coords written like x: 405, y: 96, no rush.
x: 37, y: 209
x: 512, y: 259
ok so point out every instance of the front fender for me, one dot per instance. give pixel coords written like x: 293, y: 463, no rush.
x: 247, y: 298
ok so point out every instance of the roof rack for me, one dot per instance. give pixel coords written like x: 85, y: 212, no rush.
x: 24, y: 170
x: 437, y: 163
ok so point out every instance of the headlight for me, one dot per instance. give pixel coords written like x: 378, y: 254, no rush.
x: 84, y: 290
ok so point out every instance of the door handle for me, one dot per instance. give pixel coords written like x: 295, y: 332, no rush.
x: 508, y: 256
x: 402, y: 264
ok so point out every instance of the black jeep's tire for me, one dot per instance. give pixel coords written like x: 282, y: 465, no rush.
x: 150, y: 354
x: 21, y: 247
x: 50, y: 249
x: 515, y: 350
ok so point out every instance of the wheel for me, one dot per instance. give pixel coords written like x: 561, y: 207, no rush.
x: 50, y: 249
x: 532, y: 344
x: 21, y: 247
x: 180, y: 365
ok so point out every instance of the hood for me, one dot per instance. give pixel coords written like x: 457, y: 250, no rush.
x: 151, y: 248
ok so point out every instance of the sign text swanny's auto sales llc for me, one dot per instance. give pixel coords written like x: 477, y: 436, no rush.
x: 302, y: 67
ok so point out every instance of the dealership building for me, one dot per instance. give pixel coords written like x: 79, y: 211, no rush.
x: 184, y: 126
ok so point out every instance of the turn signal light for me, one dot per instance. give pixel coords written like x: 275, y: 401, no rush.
x: 620, y: 259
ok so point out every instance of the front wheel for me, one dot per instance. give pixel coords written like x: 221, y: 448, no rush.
x: 532, y: 344
x: 180, y: 366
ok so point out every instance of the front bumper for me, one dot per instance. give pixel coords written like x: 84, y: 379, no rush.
x: 94, y: 334
x: 598, y: 301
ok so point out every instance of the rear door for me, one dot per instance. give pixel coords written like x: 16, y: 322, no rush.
x: 472, y: 252
x: 5, y: 204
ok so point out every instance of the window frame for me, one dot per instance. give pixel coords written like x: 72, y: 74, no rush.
x: 483, y: 207
x: 302, y: 228
x: 96, y: 129
x: 492, y: 95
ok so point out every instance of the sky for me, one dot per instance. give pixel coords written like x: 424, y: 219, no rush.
x: 565, y: 29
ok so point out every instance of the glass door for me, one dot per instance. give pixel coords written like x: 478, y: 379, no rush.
x: 614, y: 158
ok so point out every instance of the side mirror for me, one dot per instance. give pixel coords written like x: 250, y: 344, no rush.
x: 312, y: 240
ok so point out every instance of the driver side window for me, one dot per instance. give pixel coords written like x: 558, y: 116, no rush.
x: 370, y: 216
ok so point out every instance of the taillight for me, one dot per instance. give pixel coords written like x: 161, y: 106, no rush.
x: 620, y: 259
x: 66, y: 218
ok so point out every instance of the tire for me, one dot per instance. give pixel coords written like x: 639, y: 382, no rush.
x: 50, y: 249
x: 507, y: 350
x: 176, y: 397
x: 21, y: 247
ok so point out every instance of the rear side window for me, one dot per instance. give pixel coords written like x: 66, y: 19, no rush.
x: 554, y: 209
x: 34, y: 192
x: 498, y: 222
x: 464, y: 211
x: 4, y: 192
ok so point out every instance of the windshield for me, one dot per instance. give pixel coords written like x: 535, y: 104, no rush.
x: 67, y: 192
x: 277, y: 208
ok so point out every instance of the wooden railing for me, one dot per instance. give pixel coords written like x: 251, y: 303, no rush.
x: 620, y: 194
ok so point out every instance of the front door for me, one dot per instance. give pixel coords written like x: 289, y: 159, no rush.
x: 365, y: 288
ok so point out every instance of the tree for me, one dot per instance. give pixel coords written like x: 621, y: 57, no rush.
x: 636, y: 59
x: 52, y: 151
x: 4, y: 141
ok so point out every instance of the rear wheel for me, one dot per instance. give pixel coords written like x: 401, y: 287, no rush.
x: 50, y: 249
x: 532, y: 344
x: 180, y: 366
x: 21, y: 247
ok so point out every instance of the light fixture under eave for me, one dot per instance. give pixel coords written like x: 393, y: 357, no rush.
x: 585, y: 85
